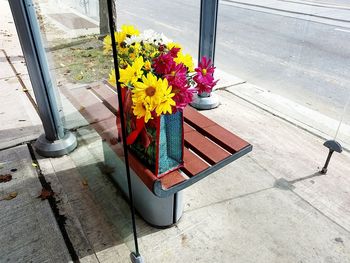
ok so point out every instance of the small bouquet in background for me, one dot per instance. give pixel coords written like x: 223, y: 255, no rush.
x: 158, y: 82
x: 161, y: 77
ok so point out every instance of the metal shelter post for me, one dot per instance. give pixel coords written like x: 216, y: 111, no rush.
x: 56, y: 141
x: 207, y: 39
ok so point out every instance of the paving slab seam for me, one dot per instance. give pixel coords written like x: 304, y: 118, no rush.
x: 281, y: 117
x: 60, y: 219
x: 229, y: 86
x: 231, y: 199
x: 24, y: 87
x: 262, y: 167
x: 321, y: 213
x: 17, y: 144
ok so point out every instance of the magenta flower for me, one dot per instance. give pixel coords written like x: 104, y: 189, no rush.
x: 205, y: 87
x: 163, y: 64
x: 183, y: 96
x: 204, y: 76
x: 177, y: 77
x: 173, y: 52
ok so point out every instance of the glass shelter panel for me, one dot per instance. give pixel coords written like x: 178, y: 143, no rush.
x: 73, y: 33
x: 283, y: 68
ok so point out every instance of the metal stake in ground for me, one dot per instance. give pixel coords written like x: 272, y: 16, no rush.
x: 207, y: 39
x: 56, y: 141
x: 333, y: 146
x: 134, y: 256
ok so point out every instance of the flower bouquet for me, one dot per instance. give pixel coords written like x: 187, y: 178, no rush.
x: 158, y: 82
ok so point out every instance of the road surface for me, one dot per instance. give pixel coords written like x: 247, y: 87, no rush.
x: 302, y: 57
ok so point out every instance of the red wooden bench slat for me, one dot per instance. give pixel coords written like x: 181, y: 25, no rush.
x: 107, y: 129
x: 193, y: 164
x: 215, y: 132
x: 109, y: 98
x: 110, y: 86
x: 193, y: 117
x: 225, y: 138
x: 171, y: 179
x: 205, y: 148
x: 87, y: 104
x: 187, y: 129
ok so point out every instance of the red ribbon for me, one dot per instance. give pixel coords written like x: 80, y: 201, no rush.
x: 140, y: 125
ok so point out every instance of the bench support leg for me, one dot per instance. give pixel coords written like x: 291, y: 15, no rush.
x: 136, y: 258
x: 158, y: 212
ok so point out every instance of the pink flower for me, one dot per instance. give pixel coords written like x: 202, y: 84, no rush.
x: 204, y: 76
x: 205, y: 87
x: 163, y: 64
x: 177, y: 76
x: 183, y: 96
x: 173, y: 52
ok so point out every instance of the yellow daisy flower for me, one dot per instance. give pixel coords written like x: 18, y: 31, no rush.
x: 131, y: 74
x: 129, y: 30
x: 148, y: 65
x: 107, y: 44
x: 112, y: 78
x: 173, y: 44
x: 121, y: 45
x: 141, y: 110
x: 186, y: 60
x: 166, y: 102
x: 150, y: 90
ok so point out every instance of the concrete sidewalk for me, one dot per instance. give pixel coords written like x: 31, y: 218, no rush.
x: 270, y: 206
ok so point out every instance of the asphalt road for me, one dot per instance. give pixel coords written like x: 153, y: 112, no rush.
x: 306, y: 61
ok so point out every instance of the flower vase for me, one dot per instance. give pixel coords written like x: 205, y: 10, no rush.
x: 157, y: 144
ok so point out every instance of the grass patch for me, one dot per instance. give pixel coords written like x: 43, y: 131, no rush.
x: 82, y: 63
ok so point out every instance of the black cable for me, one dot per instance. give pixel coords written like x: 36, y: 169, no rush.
x: 121, y: 114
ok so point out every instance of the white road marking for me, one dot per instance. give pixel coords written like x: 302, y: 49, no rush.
x: 342, y: 30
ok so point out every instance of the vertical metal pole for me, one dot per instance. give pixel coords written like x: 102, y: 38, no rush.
x: 134, y: 256
x: 207, y: 39
x: 55, y: 142
x: 208, y: 25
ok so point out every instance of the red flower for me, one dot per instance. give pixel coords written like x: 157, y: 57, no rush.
x: 173, y: 52
x: 163, y: 64
x: 183, y: 96
x: 177, y: 76
x: 205, y: 87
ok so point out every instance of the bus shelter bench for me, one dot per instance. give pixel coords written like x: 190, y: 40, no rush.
x: 208, y: 147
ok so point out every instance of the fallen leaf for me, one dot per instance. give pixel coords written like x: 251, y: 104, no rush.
x: 34, y: 165
x: 5, y: 178
x: 45, y: 194
x: 9, y: 196
x: 85, y: 182
x: 113, y: 141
